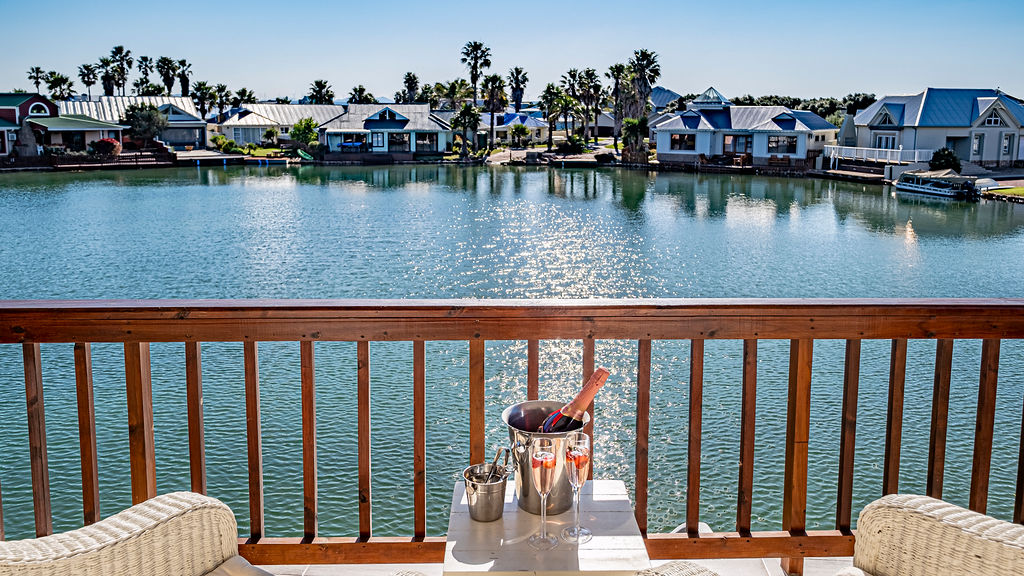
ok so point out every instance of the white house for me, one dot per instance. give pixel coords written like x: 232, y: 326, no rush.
x: 757, y: 135
x: 185, y: 126
x: 248, y: 123
x: 504, y: 122
x: 982, y: 126
x: 405, y: 130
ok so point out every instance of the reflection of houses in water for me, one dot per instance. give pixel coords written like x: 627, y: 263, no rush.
x: 710, y: 195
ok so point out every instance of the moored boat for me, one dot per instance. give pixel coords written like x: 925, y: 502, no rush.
x: 946, y: 183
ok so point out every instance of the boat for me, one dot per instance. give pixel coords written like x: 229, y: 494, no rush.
x: 946, y: 183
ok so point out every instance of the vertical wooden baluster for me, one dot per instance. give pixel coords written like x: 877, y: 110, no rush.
x: 310, y: 524
x: 1018, y: 500
x: 419, y: 435
x: 693, y: 442
x: 196, y: 427
x: 37, y: 439
x: 476, y: 402
x: 140, y: 421
x: 848, y: 435
x: 588, y: 371
x: 745, y: 491
x: 985, y: 424
x: 363, y: 401
x: 87, y: 433
x: 798, y: 418
x: 643, y: 419
x: 532, y: 369
x: 894, y: 422
x: 940, y: 411
x: 254, y: 442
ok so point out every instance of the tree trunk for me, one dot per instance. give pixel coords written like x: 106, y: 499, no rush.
x: 565, y: 117
x: 551, y: 132
x: 597, y: 117
x: 490, y: 145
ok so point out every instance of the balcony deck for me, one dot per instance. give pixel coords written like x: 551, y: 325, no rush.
x: 136, y: 324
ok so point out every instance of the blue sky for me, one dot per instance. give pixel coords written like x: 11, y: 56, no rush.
x: 276, y: 48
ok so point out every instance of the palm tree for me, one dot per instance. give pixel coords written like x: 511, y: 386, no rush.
x: 222, y: 97
x: 493, y: 88
x: 568, y: 106
x: 359, y: 95
x: 167, y: 68
x: 143, y: 88
x: 60, y: 86
x: 517, y: 80
x: 203, y: 95
x: 243, y: 96
x: 549, y: 100
x: 432, y: 94
x: 412, y: 86
x: 278, y: 100
x: 88, y: 74
x: 466, y: 120
x: 454, y: 92
x: 320, y: 92
x: 571, y: 85
x: 184, y: 71
x: 122, y: 64
x: 476, y: 57
x: 36, y: 75
x: 145, y: 67
x: 107, y: 78
x: 594, y: 96
x: 619, y: 75
x: 646, y: 71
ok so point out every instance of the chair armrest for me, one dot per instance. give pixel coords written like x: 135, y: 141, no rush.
x: 908, y: 535
x: 179, y: 533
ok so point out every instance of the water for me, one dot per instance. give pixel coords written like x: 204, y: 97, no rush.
x: 441, y: 232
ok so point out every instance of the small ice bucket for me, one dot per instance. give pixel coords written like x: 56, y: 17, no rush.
x: 523, y: 420
x: 486, y: 491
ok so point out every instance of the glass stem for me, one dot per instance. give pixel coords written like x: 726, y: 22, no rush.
x: 544, y: 516
x: 576, y: 491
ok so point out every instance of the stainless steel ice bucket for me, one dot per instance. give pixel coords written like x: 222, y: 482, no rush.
x: 485, y: 493
x: 523, y: 420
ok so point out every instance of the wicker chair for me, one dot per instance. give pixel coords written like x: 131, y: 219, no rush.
x: 180, y: 533
x: 907, y: 535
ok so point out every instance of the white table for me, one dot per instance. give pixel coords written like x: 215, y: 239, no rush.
x: 501, y: 547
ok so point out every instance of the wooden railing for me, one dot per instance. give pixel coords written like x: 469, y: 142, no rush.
x: 138, y: 323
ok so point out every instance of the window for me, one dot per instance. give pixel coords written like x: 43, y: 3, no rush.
x: 886, y: 120
x: 994, y: 119
x: 398, y: 142
x: 742, y: 144
x: 378, y: 139
x: 978, y: 145
x: 387, y: 115
x: 782, y: 144
x: 38, y: 109
x: 683, y: 142
x: 1007, y: 144
x: 885, y: 141
x: 426, y: 142
x: 284, y: 129
x: 112, y: 134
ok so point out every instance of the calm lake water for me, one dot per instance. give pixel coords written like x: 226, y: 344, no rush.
x: 441, y: 232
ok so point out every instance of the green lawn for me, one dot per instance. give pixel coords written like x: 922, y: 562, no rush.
x: 264, y: 151
x: 1018, y: 191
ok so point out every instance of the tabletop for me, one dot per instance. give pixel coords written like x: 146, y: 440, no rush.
x: 501, y: 547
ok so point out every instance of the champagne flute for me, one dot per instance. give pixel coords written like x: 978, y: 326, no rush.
x: 577, y: 467
x: 542, y: 471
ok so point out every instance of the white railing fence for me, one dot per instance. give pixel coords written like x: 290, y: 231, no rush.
x: 900, y: 155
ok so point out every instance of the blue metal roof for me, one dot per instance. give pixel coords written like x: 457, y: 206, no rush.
x: 945, y: 107
x: 748, y: 118
x: 661, y: 97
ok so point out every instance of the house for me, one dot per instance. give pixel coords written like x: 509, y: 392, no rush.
x: 401, y: 130
x: 49, y: 127
x: 982, y: 126
x: 248, y: 123
x: 505, y: 121
x: 661, y: 97
x: 186, y: 127
x: 711, y: 126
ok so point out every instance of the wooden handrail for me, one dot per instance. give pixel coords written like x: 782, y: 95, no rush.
x: 137, y: 323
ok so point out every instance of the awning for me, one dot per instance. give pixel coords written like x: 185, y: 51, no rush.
x: 74, y: 123
x: 7, y: 125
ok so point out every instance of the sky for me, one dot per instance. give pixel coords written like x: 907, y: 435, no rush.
x: 795, y: 48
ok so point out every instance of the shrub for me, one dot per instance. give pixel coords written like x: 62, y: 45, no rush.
x: 107, y: 147
x: 218, y: 141
x: 944, y: 158
x: 251, y: 147
x: 574, y: 145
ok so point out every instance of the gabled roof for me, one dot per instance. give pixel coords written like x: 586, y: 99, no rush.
x: 9, y: 99
x: 111, y: 108
x: 356, y: 118
x: 661, y: 97
x: 746, y: 118
x: 376, y: 115
x: 283, y: 114
x: 510, y: 119
x: 940, y: 107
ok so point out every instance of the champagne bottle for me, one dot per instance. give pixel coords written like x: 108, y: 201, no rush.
x: 570, y: 416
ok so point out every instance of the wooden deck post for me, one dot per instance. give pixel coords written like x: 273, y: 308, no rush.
x: 794, y: 500
x: 37, y: 439
x: 196, y: 433
x: 254, y: 441
x: 87, y: 433
x: 140, y: 421
x: 309, y: 492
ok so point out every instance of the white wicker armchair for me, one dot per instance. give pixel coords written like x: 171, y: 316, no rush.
x: 181, y: 533
x: 907, y: 535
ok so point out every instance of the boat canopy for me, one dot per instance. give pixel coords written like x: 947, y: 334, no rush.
x: 949, y: 175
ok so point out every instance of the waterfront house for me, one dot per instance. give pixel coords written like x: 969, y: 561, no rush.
x: 983, y: 126
x: 403, y: 131
x: 711, y: 126
x: 186, y: 127
x: 505, y: 121
x: 248, y: 123
x: 50, y: 127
